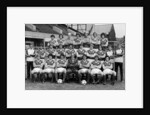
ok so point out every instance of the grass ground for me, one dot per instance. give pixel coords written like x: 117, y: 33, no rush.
x: 72, y: 86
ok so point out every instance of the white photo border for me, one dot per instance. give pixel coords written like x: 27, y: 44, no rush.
x: 18, y: 97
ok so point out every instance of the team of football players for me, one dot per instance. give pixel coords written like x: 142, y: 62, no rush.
x: 93, y: 65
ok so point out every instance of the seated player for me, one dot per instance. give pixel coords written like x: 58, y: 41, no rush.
x: 101, y: 54
x: 49, y: 70
x: 37, y: 64
x: 84, y: 69
x: 60, y: 72
x: 70, y: 51
x: 91, y: 53
x: 108, y: 70
x: 95, y: 71
x: 72, y: 67
x: 81, y: 52
x: 60, y: 51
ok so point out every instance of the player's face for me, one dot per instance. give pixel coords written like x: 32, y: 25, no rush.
x: 71, y: 46
x: 52, y: 38
x: 62, y: 57
x: 100, y: 48
x: 96, y: 58
x: 94, y: 34
x: 78, y: 35
x: 81, y: 46
x: 50, y: 57
x: 84, y: 57
x: 91, y: 46
x: 110, y: 48
x: 107, y: 58
x: 103, y: 36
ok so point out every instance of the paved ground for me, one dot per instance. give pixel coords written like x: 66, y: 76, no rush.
x: 72, y: 86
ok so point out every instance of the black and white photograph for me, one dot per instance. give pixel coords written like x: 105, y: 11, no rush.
x: 75, y: 56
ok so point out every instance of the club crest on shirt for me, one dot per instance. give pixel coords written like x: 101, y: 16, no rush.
x: 81, y: 51
x: 38, y: 62
x: 91, y: 52
x: 84, y: 62
x: 107, y: 63
x: 50, y: 62
x: 101, y: 53
x: 61, y: 61
x: 97, y: 63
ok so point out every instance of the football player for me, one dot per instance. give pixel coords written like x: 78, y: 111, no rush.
x: 95, y: 39
x: 70, y: 51
x: 60, y: 40
x: 95, y: 71
x: 119, y: 61
x: 72, y: 67
x: 60, y: 72
x: 53, y: 41
x: 51, y: 51
x: 80, y: 52
x: 84, y: 65
x: 110, y: 53
x: 49, y: 70
x: 60, y: 51
x: 101, y: 54
x: 108, y: 70
x: 37, y: 64
x: 77, y: 40
x: 91, y: 53
x: 104, y: 40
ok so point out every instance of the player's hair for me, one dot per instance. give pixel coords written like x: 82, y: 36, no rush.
x: 50, y: 55
x: 103, y: 34
x: 52, y: 36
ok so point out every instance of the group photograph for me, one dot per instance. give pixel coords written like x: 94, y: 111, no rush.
x: 75, y: 56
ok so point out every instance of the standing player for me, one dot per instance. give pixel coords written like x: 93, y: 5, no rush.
x: 38, y: 64
x: 104, y: 40
x: 95, y: 39
x: 53, y: 41
x: 91, y: 53
x: 119, y: 61
x: 60, y: 41
x: 80, y: 52
x: 30, y: 58
x: 95, y: 72
x: 72, y: 67
x: 110, y: 53
x: 60, y: 72
x: 84, y: 69
x: 49, y: 70
x: 108, y: 70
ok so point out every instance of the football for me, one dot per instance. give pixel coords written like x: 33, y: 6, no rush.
x: 83, y: 82
x: 59, y: 81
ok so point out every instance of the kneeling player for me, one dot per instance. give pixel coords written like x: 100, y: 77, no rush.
x: 96, y: 73
x: 61, y: 69
x: 38, y: 64
x: 84, y: 69
x: 49, y: 70
x: 108, y: 66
